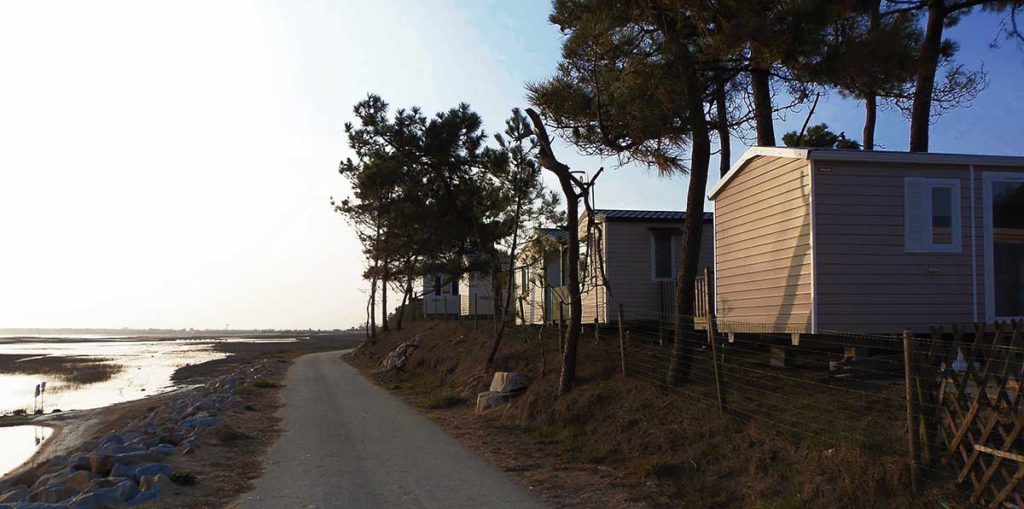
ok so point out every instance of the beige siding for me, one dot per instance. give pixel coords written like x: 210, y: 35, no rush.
x: 763, y: 248
x: 476, y: 293
x: 866, y: 281
x: 629, y: 268
x: 530, y: 297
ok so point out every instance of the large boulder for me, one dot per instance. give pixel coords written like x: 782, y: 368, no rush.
x: 489, y: 399
x: 121, y: 470
x: 100, y: 463
x: 15, y: 494
x: 52, y: 494
x: 159, y: 481
x: 507, y: 382
x: 153, y: 469
x: 57, y: 478
x: 397, y: 358
x: 80, y: 479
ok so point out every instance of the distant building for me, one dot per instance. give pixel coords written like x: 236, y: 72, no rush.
x: 440, y: 295
x: 641, y: 251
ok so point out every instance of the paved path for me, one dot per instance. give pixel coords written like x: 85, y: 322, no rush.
x: 349, y: 443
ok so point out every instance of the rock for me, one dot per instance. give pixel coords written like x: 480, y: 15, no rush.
x: 123, y: 471
x: 126, y: 490
x: 145, y: 497
x: 153, y: 469
x: 52, y: 494
x: 198, y: 422
x: 486, y: 400
x: 59, y: 459
x: 122, y: 449
x: 163, y: 449
x: 397, y: 358
x: 81, y: 462
x: 135, y: 458
x: 16, y: 494
x: 160, y: 481
x: 113, y: 439
x: 507, y: 382
x: 55, y: 411
x: 81, y: 479
x: 105, y: 498
x: 107, y: 482
x: 57, y: 478
x: 100, y: 463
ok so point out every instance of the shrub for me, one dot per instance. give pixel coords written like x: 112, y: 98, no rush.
x: 184, y: 478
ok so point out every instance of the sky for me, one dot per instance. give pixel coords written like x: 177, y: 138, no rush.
x: 172, y: 164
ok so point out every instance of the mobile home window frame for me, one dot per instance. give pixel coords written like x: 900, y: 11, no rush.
x: 671, y: 234
x: 923, y: 241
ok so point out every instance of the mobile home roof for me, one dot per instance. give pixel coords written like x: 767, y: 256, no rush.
x: 877, y: 156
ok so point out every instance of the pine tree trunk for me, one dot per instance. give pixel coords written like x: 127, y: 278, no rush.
x: 373, y: 308
x: 384, y: 304
x: 693, y: 230
x: 927, y: 64
x: 761, y: 89
x: 506, y: 299
x: 568, y: 376
x: 405, y: 300
x: 724, y: 144
x: 870, y: 115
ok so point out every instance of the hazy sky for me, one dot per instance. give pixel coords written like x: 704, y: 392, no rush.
x: 169, y: 164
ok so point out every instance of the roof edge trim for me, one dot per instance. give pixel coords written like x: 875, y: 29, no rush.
x: 751, y: 153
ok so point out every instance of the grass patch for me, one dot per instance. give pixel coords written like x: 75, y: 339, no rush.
x: 565, y: 437
x: 184, y: 478
x: 447, y: 398
x: 425, y: 384
x: 263, y: 383
x: 654, y: 468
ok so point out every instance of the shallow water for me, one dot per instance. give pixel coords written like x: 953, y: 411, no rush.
x: 18, y: 443
x: 147, y: 366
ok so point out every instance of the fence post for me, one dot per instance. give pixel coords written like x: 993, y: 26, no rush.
x: 711, y: 340
x: 908, y: 368
x: 597, y: 332
x: 561, y: 326
x: 476, y: 310
x: 444, y: 298
x: 622, y: 344
x: 661, y: 327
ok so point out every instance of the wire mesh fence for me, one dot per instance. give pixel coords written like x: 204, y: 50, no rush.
x: 958, y: 388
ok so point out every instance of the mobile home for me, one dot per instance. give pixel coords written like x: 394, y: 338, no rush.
x: 821, y: 240
x: 641, y: 251
x: 540, y: 272
x: 440, y: 296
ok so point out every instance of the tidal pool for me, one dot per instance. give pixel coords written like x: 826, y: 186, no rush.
x: 18, y: 443
x: 104, y: 372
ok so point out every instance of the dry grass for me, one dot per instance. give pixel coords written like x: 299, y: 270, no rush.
x: 73, y: 370
x: 674, y: 438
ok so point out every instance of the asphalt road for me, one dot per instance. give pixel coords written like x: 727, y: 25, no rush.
x: 351, y: 444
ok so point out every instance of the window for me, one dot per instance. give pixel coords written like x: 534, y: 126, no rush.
x: 932, y: 215
x: 455, y: 287
x: 437, y: 285
x: 662, y: 255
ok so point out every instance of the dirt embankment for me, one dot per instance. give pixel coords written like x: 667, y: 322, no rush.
x: 615, y: 442
x: 226, y: 460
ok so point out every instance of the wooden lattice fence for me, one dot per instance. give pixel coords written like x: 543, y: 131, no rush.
x: 969, y: 395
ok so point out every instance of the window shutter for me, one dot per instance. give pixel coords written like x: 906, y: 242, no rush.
x: 917, y: 215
